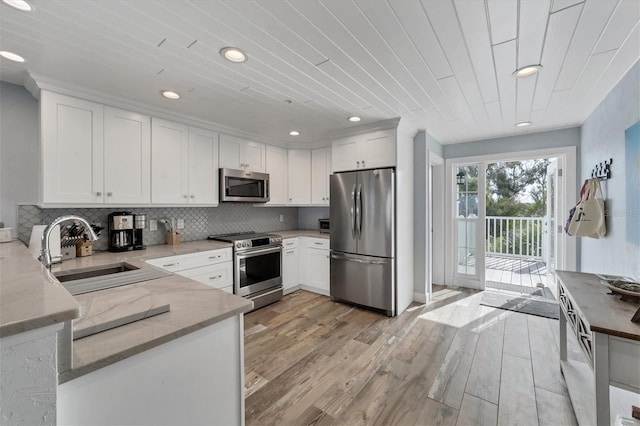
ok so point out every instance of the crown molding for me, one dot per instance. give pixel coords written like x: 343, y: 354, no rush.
x: 391, y: 123
x: 35, y: 84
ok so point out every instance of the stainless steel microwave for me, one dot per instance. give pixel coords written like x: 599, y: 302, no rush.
x: 244, y: 186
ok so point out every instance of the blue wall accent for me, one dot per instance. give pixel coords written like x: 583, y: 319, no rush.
x: 603, y: 137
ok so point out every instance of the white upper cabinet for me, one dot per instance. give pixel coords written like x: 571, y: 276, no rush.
x: 367, y: 151
x: 299, y: 176
x: 236, y: 153
x: 72, y: 152
x: 170, y: 162
x: 203, y: 166
x: 127, y: 157
x: 379, y: 149
x: 320, y: 171
x: 184, y: 164
x: 277, y: 169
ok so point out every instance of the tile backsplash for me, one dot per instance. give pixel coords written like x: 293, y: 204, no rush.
x: 199, y: 222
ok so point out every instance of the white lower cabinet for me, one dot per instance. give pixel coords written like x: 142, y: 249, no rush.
x: 305, y: 264
x: 290, y: 265
x: 212, y: 267
x: 314, y: 275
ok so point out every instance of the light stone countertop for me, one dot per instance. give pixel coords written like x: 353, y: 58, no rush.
x: 32, y: 299
x: 300, y: 233
x: 29, y: 297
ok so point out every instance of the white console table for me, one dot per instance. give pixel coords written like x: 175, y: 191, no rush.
x: 611, y: 342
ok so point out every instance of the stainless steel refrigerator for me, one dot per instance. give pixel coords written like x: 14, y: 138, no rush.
x: 363, y: 238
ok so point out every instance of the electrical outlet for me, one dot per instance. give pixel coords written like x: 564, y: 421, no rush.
x: 281, y: 218
x: 180, y: 223
x: 153, y: 225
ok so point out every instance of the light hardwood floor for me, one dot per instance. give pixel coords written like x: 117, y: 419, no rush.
x: 309, y: 360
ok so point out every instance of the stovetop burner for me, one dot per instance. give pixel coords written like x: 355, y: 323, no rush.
x: 246, y: 240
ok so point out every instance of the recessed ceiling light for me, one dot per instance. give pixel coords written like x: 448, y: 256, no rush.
x: 294, y: 133
x: 527, y: 71
x: 354, y: 118
x: 233, y: 54
x: 523, y: 124
x: 170, y: 94
x: 19, y: 4
x: 11, y: 56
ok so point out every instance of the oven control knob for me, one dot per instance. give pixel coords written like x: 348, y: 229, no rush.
x: 238, y: 245
x: 247, y: 244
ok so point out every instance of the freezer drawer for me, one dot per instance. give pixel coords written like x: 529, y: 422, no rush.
x: 363, y: 280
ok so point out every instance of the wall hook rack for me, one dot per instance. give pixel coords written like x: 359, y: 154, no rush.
x: 602, y: 171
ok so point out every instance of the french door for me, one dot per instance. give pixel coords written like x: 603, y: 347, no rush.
x: 469, y: 224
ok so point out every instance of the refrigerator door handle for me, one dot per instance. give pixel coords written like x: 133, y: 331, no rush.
x: 353, y: 206
x: 352, y: 259
x: 359, y: 211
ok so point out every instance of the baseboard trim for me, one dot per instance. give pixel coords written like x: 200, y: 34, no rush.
x: 419, y: 297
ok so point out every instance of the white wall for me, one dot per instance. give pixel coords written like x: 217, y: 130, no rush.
x: 404, y: 218
x: 423, y: 145
x: 603, y: 138
x: 19, y: 152
x: 527, y: 142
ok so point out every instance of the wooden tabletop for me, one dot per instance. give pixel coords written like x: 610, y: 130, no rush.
x: 605, y: 313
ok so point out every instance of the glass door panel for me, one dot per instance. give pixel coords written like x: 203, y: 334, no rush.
x: 467, y: 220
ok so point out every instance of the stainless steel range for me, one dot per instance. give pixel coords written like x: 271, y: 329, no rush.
x: 257, y: 266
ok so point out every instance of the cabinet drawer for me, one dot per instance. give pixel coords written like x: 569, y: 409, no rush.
x: 317, y: 243
x: 289, y: 243
x: 216, y: 276
x: 192, y: 260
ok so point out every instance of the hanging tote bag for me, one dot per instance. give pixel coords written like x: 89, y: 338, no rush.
x: 589, y: 217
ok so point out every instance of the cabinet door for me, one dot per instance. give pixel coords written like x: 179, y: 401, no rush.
x: 290, y: 276
x: 127, y: 157
x: 346, y: 153
x: 230, y: 152
x: 299, y: 176
x: 317, y: 269
x: 216, y: 276
x: 203, y: 166
x: 254, y: 156
x: 379, y: 149
x: 277, y: 169
x: 170, y: 162
x: 320, y: 170
x: 72, y: 150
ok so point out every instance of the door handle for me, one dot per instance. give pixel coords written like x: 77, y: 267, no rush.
x: 359, y: 211
x: 352, y: 259
x: 353, y: 206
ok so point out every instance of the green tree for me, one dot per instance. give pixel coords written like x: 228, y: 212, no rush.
x: 517, y: 188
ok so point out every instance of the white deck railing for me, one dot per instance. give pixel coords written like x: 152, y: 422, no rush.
x: 515, y: 236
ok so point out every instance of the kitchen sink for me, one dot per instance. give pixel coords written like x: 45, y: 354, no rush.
x: 86, y: 280
x: 78, y: 274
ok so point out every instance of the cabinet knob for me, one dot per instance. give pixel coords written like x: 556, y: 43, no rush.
x: 109, y: 194
x: 358, y: 163
x: 242, y: 165
x: 99, y: 194
x: 185, y: 196
x: 290, y: 199
x: 192, y: 196
x: 362, y: 163
x: 246, y: 165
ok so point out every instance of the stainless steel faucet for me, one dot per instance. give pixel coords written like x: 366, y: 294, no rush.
x: 45, y: 252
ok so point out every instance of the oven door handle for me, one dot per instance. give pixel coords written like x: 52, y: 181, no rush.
x: 253, y: 253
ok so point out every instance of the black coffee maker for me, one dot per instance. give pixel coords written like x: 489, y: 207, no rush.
x: 121, y: 232
x: 139, y: 223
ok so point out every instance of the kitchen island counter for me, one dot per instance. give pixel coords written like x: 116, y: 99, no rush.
x: 31, y: 298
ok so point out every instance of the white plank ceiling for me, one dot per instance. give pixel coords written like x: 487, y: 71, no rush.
x: 442, y: 65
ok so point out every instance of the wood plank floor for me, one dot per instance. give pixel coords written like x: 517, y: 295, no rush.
x: 310, y: 361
